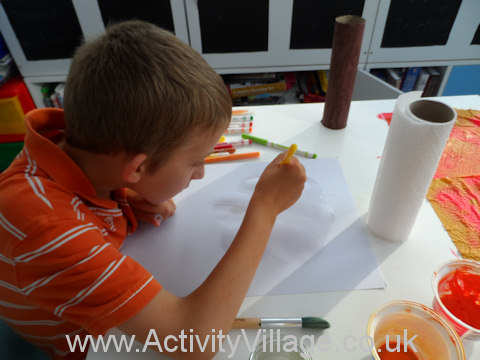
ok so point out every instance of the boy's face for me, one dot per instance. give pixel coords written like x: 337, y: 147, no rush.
x: 186, y: 163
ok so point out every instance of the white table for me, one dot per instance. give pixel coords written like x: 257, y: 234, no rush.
x: 407, y: 266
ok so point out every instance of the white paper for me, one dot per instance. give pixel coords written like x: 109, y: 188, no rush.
x: 319, y: 244
x: 412, y: 151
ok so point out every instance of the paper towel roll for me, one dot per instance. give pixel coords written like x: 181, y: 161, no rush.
x: 417, y: 136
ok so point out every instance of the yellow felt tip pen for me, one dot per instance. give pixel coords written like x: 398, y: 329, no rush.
x: 289, y: 155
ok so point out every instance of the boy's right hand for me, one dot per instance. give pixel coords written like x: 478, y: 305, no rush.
x: 280, y: 186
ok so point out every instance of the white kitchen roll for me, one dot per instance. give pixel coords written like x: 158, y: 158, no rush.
x: 417, y: 136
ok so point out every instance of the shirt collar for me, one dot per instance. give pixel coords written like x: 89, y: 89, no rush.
x: 53, y: 160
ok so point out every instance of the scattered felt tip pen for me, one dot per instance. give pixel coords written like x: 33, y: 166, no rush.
x: 240, y: 156
x: 236, y: 112
x: 242, y: 118
x: 223, y: 145
x: 265, y: 142
x: 238, y: 130
x: 242, y: 124
x: 241, y: 142
x: 229, y: 150
x: 309, y: 322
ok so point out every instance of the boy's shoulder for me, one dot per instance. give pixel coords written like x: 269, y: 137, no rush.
x: 29, y: 198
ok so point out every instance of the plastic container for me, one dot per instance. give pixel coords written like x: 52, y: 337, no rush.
x: 463, y: 329
x: 414, y: 324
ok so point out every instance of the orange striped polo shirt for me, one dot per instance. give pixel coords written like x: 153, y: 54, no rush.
x: 61, y: 271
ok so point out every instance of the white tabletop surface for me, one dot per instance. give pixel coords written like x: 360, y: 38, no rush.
x: 407, y: 266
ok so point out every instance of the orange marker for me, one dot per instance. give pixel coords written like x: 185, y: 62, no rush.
x: 240, y: 156
x: 239, y: 112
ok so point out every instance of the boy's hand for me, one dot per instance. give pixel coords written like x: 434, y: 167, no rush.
x: 148, y: 212
x: 280, y: 186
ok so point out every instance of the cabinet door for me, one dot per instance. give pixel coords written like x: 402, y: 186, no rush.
x: 43, y: 35
x: 238, y: 35
x: 426, y: 30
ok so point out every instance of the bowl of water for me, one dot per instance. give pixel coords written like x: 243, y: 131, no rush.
x: 406, y: 330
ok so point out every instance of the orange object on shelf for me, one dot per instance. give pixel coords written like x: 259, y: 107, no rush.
x: 15, y: 102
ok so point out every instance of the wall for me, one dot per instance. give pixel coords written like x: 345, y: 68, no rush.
x: 463, y: 80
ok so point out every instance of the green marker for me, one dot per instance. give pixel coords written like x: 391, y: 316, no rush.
x: 264, y: 142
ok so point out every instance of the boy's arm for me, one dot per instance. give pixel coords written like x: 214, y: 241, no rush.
x: 215, y: 304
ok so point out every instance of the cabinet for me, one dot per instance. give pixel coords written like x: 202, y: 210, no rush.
x: 276, y: 35
x: 431, y: 32
x: 238, y: 36
x: 42, y: 35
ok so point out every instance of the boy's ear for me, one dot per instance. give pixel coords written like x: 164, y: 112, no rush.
x: 134, y: 168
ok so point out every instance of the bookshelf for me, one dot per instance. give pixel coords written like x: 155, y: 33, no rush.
x: 251, y: 36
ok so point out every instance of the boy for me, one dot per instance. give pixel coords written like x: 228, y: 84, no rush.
x: 142, y: 111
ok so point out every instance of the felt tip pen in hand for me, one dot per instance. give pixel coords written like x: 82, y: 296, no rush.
x: 275, y: 323
x: 289, y: 154
x: 264, y: 142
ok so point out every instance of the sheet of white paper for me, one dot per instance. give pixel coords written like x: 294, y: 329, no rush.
x: 319, y: 244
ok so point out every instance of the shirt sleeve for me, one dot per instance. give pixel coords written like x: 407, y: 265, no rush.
x: 77, y: 276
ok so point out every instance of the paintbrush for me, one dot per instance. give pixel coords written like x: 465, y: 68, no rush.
x: 262, y: 323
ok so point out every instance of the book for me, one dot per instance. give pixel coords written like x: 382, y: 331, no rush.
x: 238, y: 90
x: 59, y: 92
x: 310, y: 87
x: 394, y: 77
x: 422, y: 80
x: 252, y: 77
x: 379, y: 73
x: 409, y: 79
x: 323, y: 76
x: 433, y: 82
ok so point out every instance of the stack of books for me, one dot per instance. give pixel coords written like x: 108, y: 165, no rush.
x: 426, y: 79
x: 258, y: 88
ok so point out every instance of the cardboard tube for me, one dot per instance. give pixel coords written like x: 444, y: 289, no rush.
x: 347, y: 42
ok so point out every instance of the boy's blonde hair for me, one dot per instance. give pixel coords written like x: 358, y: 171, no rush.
x: 139, y: 89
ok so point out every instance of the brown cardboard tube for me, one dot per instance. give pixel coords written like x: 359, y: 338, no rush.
x: 347, y: 42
